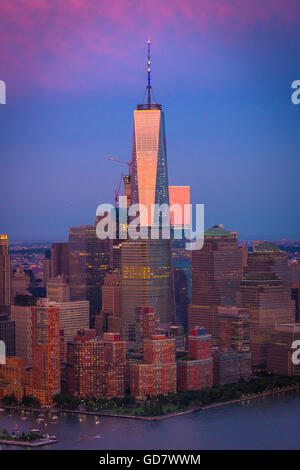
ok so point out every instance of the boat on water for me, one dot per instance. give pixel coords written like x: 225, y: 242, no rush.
x: 35, y: 430
x: 54, y: 417
x: 24, y: 418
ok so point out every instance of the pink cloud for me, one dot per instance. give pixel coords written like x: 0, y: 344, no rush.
x: 60, y: 44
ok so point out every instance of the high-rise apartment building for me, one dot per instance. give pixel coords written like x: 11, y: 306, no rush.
x: 4, y: 271
x: 195, y: 372
x: 46, y: 349
x: 157, y: 375
x: 216, y: 276
x: 96, y: 367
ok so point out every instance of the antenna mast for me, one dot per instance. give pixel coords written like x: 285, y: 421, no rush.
x: 149, y: 79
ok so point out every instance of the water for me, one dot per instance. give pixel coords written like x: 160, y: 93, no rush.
x: 268, y: 423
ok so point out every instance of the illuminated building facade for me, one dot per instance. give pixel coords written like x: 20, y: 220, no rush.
x: 46, y: 349
x: 157, y: 375
x: 195, y: 372
x: 96, y: 367
x: 146, y: 280
x: 147, y: 264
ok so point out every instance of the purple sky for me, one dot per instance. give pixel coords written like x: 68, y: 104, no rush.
x: 221, y: 69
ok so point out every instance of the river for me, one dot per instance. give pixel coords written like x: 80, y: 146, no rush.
x: 266, y: 423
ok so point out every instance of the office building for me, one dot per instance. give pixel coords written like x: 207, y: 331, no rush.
x: 216, y: 277
x: 4, y: 271
x: 60, y: 259
x: 22, y: 316
x: 89, y: 258
x: 147, y: 275
x: 58, y: 289
x: 267, y: 297
x: 280, y: 350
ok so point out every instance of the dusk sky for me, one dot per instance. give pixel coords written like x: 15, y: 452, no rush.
x: 75, y: 70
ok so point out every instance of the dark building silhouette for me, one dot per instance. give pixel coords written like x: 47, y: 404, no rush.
x: 89, y: 258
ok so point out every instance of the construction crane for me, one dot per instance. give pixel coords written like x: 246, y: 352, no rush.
x: 122, y: 161
x: 117, y: 191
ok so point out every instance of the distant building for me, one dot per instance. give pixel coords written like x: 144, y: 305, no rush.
x: 195, y: 372
x: 19, y: 283
x: 4, y: 271
x: 58, y: 289
x: 157, y: 375
x: 46, y: 267
x: 280, y: 351
x: 60, y: 259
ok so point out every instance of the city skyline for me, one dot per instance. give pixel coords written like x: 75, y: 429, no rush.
x: 225, y: 92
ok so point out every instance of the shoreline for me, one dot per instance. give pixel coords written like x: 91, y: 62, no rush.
x: 154, y: 418
x: 38, y: 443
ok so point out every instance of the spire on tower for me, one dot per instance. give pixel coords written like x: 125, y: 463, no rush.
x: 149, y: 78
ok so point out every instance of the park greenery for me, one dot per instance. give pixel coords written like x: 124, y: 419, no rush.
x: 163, y: 404
x: 176, y: 402
x: 27, y: 401
x: 23, y: 437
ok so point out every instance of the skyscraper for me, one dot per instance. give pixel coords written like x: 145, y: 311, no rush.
x: 216, y: 277
x: 147, y: 277
x: 46, y: 349
x: 89, y: 258
x: 4, y: 271
x: 59, y: 259
x: 265, y: 291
